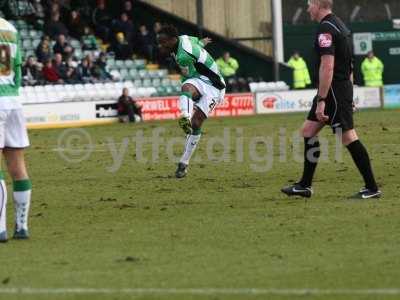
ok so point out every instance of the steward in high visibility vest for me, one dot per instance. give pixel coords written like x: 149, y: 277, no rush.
x: 301, y: 76
x: 372, y: 70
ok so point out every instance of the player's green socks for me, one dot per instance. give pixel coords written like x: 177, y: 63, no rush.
x: 22, y: 201
x: 190, y: 146
x: 3, y: 203
x: 186, y: 104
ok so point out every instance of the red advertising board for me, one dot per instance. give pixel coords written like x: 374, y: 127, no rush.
x: 162, y: 108
x: 235, y: 105
x: 159, y: 108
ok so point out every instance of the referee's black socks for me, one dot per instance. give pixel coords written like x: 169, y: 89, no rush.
x: 312, y: 153
x: 362, y: 161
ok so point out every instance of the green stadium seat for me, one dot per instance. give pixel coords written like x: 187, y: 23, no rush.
x: 27, y: 44
x: 137, y: 83
x: 166, y: 82
x: 140, y: 63
x: 156, y: 82
x: 124, y: 74
x: 161, y: 91
x: 119, y: 64
x: 75, y: 43
x: 35, y: 43
x: 133, y: 74
x: 162, y: 73
x: 129, y: 64
x: 24, y: 33
x: 143, y: 74
x: 21, y: 24
x: 34, y: 34
x: 147, y: 82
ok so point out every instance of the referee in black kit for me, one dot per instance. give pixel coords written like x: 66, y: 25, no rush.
x: 333, y: 104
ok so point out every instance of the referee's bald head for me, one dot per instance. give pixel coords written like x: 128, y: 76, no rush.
x: 326, y: 4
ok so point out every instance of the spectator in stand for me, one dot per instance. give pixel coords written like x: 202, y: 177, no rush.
x: 126, y: 26
x: 85, y: 74
x: 121, y: 48
x: 71, y: 74
x: 88, y: 40
x: 63, y: 47
x: 128, y: 108
x: 75, y: 25
x: 227, y: 65
x: 102, y: 20
x: 301, y: 76
x: 100, y: 71
x: 372, y: 70
x: 43, y: 50
x: 156, y: 54
x: 50, y: 74
x: 145, y: 43
x: 83, y: 6
x: 31, y: 72
x: 60, y: 66
x: 55, y: 27
x: 128, y: 8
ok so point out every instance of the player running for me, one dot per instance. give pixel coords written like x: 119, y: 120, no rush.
x: 203, y: 87
x: 13, y: 133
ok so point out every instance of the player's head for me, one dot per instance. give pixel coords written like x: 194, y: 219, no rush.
x: 168, y: 39
x: 318, y: 8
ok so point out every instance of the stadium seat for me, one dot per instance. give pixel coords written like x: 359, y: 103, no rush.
x: 129, y: 64
x: 166, y: 82
x: 156, y: 82
x: 147, y: 82
x: 162, y: 73
x: 143, y: 74
x: 35, y: 43
x: 140, y: 63
x: 27, y: 44
x: 34, y: 34
x: 75, y: 43
x: 124, y: 74
x: 133, y: 74
x: 120, y: 64
x: 153, y: 73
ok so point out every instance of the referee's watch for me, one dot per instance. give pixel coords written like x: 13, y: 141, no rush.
x: 319, y: 98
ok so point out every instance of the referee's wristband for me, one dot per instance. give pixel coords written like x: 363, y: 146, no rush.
x: 319, y: 98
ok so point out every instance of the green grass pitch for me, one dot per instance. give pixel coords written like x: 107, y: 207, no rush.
x: 102, y: 228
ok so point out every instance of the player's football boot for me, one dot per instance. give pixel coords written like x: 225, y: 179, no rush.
x: 181, y: 171
x: 185, y: 124
x: 297, y: 190
x: 21, y: 234
x: 365, y: 193
x: 3, y: 237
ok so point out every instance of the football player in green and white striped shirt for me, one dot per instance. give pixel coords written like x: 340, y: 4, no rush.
x: 13, y: 133
x: 203, y: 86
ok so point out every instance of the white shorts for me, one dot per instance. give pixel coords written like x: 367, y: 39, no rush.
x: 13, y: 133
x: 210, y: 96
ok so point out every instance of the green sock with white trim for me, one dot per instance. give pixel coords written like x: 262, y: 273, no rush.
x: 22, y: 201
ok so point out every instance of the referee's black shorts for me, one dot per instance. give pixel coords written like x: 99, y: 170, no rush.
x: 339, y: 106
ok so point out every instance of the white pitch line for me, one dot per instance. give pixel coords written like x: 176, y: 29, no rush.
x: 201, y: 291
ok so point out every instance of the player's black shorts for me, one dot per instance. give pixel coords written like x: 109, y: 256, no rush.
x: 339, y: 106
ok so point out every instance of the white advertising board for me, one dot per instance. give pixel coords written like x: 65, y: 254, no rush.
x: 301, y: 100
